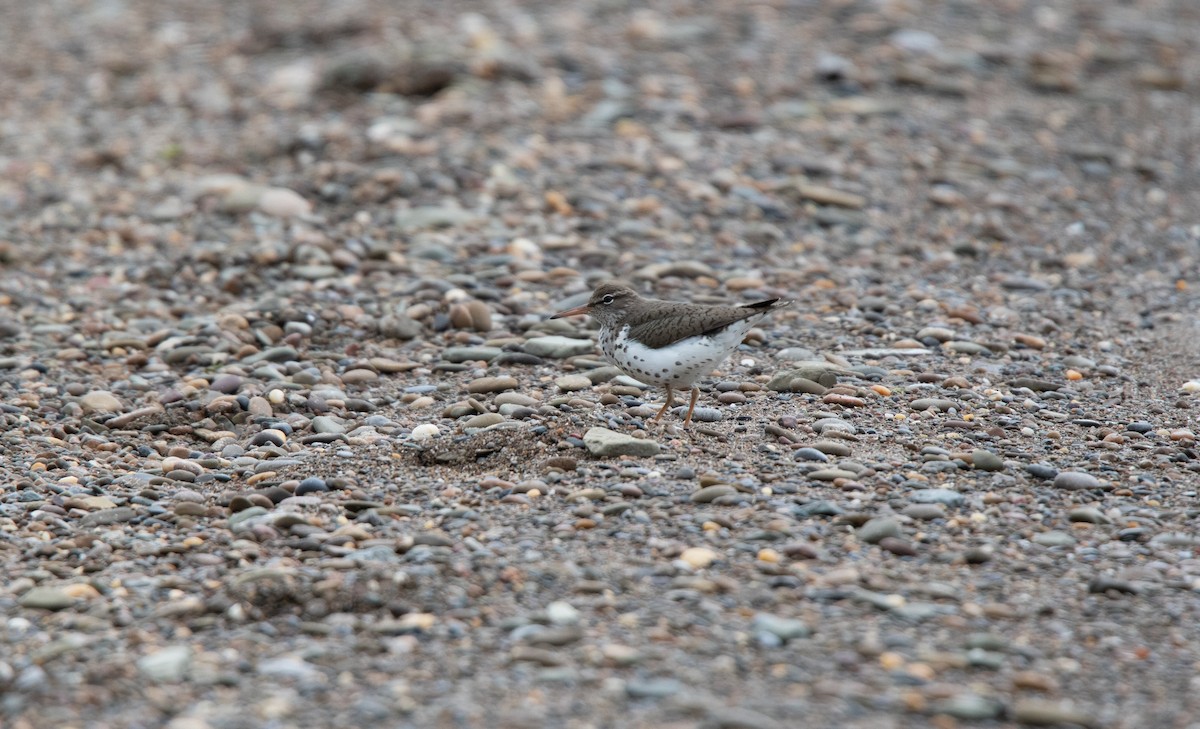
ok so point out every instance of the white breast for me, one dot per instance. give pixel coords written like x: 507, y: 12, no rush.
x: 679, y: 364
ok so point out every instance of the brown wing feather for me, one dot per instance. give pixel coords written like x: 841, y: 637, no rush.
x: 670, y: 322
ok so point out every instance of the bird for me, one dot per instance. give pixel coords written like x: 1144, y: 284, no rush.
x: 668, y: 343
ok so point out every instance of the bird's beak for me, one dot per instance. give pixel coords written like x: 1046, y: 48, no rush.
x: 577, y: 311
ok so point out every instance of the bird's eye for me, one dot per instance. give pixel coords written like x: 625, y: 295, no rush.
x: 608, y: 299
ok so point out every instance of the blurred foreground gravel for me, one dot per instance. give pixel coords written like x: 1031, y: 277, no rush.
x: 289, y: 442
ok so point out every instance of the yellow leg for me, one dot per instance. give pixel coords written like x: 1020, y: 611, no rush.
x: 692, y: 407
x: 667, y: 404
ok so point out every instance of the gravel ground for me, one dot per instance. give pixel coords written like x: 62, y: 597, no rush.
x: 289, y: 441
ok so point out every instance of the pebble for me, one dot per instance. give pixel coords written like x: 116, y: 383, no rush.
x: 985, y: 460
x: 1041, y: 471
x: 924, y: 511
x: 47, y: 598
x: 878, y: 528
x: 933, y: 403
x: 699, y: 557
x: 484, y: 420
x: 326, y: 424
x: 1088, y: 515
x: 1075, y: 481
x: 100, y: 401
x: 558, y: 347
x: 1040, y: 712
x: 969, y: 707
x: 945, y: 497
x: 1054, y: 539
x: 606, y: 443
x: 492, y: 384
x: 708, y: 494
x: 471, y: 354
x: 809, y: 454
x: 573, y: 383
x: 166, y: 665
x: 425, y: 432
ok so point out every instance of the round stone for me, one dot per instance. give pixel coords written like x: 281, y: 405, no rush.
x: 1076, y: 481
x: 310, y: 485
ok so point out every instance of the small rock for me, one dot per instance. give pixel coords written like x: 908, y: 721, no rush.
x: 708, y: 494
x: 484, y: 420
x: 100, y: 401
x: 878, y: 528
x: 604, y: 443
x: 699, y: 557
x: 47, y: 598
x: 1039, y: 712
x: 425, y: 432
x: 945, y: 497
x: 573, y: 383
x: 492, y: 384
x: 1076, y: 481
x: 558, y: 347
x: 985, y: 460
x: 783, y: 628
x: 166, y: 665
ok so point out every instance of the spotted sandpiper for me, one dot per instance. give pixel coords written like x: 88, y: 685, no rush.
x: 668, y: 343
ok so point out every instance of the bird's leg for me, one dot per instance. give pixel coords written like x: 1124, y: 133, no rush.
x: 692, y: 407
x: 667, y: 404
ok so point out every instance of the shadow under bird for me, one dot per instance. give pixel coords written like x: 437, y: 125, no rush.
x: 668, y: 343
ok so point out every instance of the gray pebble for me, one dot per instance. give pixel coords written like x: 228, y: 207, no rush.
x: 1075, y: 481
x: 945, y: 497
x: 878, y: 528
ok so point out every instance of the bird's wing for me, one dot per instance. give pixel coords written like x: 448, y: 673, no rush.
x: 673, y: 322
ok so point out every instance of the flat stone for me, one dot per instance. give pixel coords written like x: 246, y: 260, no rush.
x: 46, y: 598
x: 985, y: 460
x: 945, y: 497
x: 273, y: 354
x: 1054, y: 539
x: 100, y: 401
x: 1088, y: 515
x: 484, y: 420
x: 326, y: 424
x: 783, y: 628
x: 492, y: 384
x: 934, y: 403
x: 1040, y: 712
x: 924, y: 512
x: 166, y: 665
x: 573, y: 383
x: 471, y: 354
x: 878, y: 528
x: 710, y: 493
x: 1076, y: 481
x: 559, y: 347
x: 604, y: 443
x: 433, y: 216
x: 227, y: 384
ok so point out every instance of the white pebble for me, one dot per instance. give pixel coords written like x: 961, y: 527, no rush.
x: 425, y: 432
x: 276, y: 397
x: 281, y: 202
x: 561, y: 612
x: 1192, y: 386
x: 524, y: 249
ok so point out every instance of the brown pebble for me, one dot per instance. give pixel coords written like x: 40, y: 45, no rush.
x: 799, y: 550
x: 239, y: 503
x: 460, y: 316
x: 480, y: 315
x: 562, y: 463
x: 898, y: 546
